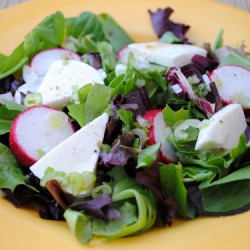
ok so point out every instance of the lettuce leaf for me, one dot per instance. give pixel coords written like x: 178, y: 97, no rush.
x: 171, y: 116
x: 79, y: 224
x: 8, y: 113
x: 148, y: 155
x: 10, y: 172
x: 237, y: 59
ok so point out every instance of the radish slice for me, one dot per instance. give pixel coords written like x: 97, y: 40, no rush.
x: 37, y: 130
x: 42, y: 60
x: 122, y: 54
x: 159, y: 132
x: 233, y: 83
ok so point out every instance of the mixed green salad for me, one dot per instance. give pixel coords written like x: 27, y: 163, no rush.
x: 116, y: 137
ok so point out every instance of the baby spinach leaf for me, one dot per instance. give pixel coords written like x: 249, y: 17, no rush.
x: 114, y: 32
x: 47, y: 34
x: 228, y: 193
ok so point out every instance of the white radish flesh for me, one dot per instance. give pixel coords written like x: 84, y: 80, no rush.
x: 159, y: 132
x: 42, y: 60
x: 233, y: 83
x: 122, y: 54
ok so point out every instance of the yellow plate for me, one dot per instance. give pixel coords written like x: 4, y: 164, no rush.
x: 23, y: 229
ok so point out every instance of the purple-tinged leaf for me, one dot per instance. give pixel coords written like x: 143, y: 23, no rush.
x: 213, y: 96
x: 162, y: 23
x: 247, y: 133
x: 120, y: 152
x: 95, y: 60
x: 191, y: 70
x: 99, y: 207
x: 5, y: 84
x: 150, y: 178
x: 141, y: 99
x: 45, y: 204
x: 204, y: 63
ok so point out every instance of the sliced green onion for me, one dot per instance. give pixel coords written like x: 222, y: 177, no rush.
x: 74, y: 182
x: 33, y: 100
x: 100, y: 190
x: 57, y: 119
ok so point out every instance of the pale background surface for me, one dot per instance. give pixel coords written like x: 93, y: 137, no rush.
x: 243, y: 4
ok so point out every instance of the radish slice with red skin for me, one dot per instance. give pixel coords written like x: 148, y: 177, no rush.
x: 158, y: 132
x: 122, y: 54
x: 42, y: 60
x: 37, y: 130
x: 233, y: 84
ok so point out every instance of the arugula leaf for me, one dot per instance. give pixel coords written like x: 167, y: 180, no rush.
x: 10, y: 172
x: 108, y: 56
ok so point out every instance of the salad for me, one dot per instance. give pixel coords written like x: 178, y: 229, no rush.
x: 116, y: 137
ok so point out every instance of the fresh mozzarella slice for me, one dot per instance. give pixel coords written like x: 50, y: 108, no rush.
x: 169, y: 55
x: 223, y: 129
x: 78, y: 153
x: 62, y: 77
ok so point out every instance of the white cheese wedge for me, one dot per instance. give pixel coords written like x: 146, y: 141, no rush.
x: 78, y: 153
x: 64, y: 76
x: 223, y: 129
x: 169, y: 55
